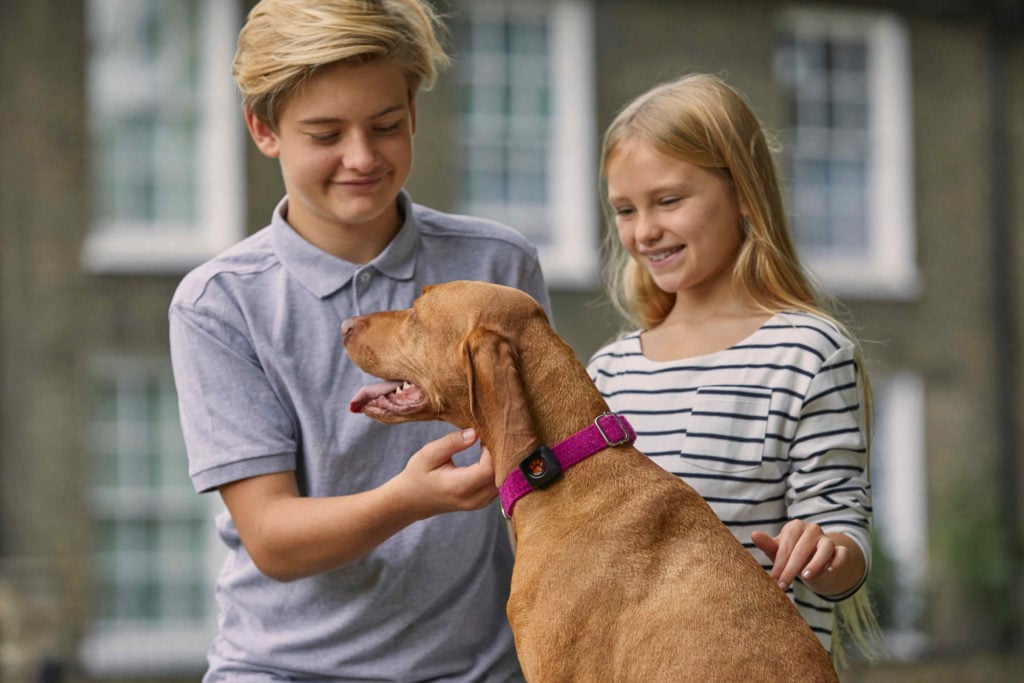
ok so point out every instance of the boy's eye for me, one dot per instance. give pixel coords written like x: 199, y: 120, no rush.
x: 668, y: 201
x: 324, y: 138
x: 393, y: 128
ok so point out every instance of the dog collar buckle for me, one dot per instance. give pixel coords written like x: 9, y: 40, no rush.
x: 544, y: 465
x: 627, y: 432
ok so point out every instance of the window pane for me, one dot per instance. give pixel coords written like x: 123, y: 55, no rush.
x: 150, y: 530
x: 525, y: 100
x: 825, y: 84
x: 144, y: 102
x: 506, y: 107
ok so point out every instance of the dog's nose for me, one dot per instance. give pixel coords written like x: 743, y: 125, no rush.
x: 346, y: 326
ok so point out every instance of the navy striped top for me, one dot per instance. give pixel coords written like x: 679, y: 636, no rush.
x: 767, y: 430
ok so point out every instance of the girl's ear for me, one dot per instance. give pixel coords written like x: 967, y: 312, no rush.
x: 263, y: 135
x: 742, y: 205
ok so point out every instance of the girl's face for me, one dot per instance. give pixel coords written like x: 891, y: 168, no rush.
x: 679, y: 221
x: 344, y: 142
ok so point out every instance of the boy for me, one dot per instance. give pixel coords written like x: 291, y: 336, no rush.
x: 341, y: 565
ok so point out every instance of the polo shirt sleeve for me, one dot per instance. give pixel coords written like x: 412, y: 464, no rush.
x: 531, y: 281
x: 828, y: 482
x: 234, y: 424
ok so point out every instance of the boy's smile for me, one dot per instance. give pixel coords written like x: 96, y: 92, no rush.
x: 344, y: 142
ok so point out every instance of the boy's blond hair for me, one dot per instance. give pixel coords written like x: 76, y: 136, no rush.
x: 702, y: 120
x: 284, y: 42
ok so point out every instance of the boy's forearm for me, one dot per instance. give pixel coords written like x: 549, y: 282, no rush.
x: 290, y: 536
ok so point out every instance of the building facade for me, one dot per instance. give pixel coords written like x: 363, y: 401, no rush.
x: 124, y: 162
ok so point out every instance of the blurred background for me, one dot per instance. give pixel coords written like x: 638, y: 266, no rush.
x: 124, y: 163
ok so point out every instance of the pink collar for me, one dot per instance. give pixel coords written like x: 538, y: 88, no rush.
x: 544, y: 465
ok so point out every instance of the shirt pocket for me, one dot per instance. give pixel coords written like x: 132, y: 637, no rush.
x: 727, y: 427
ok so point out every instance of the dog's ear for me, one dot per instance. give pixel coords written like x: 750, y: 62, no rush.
x: 497, y: 398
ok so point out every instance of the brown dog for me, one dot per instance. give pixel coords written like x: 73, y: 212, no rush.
x: 622, y: 571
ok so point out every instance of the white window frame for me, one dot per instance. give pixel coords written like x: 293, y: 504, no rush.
x: 889, y: 269
x: 570, y: 258
x: 121, y: 646
x: 900, y: 494
x: 131, y: 247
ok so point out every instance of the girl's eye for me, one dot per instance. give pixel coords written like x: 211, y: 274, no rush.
x: 669, y: 201
x: 623, y: 211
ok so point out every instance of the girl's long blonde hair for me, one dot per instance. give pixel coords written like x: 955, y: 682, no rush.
x: 702, y: 120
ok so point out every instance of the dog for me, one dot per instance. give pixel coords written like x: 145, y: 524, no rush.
x: 622, y: 571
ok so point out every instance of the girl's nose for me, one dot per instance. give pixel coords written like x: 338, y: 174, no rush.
x: 648, y: 230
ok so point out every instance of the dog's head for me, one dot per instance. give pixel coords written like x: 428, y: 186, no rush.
x: 452, y: 356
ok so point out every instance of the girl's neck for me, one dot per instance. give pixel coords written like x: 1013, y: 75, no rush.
x: 700, y: 326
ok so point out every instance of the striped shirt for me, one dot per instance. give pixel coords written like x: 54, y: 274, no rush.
x: 767, y: 430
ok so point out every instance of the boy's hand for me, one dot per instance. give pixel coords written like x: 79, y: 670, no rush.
x: 434, y: 484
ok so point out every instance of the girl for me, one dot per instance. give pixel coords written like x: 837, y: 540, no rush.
x: 736, y: 380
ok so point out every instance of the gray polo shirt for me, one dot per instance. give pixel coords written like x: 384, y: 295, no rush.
x: 264, y: 385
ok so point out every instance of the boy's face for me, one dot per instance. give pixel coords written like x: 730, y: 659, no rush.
x: 344, y: 142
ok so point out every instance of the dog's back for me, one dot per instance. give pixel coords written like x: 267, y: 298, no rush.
x: 649, y: 586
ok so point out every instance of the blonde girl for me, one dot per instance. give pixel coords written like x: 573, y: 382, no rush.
x: 735, y: 376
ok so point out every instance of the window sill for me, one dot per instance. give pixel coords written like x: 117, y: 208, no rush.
x: 122, y: 251
x: 145, y: 650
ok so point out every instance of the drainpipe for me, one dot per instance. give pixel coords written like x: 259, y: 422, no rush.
x: 1006, y: 23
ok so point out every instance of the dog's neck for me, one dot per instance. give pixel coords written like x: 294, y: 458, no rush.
x: 560, y: 395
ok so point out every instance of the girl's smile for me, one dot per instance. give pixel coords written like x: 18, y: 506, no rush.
x: 678, y: 220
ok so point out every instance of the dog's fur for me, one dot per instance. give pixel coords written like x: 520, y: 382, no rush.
x: 622, y: 571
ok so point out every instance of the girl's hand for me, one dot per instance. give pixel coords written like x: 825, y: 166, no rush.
x: 823, y: 561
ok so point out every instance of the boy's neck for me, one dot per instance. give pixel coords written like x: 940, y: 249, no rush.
x: 358, y: 244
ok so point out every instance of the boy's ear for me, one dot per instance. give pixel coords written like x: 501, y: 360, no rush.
x: 262, y: 134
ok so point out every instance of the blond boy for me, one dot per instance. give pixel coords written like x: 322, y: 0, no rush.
x: 341, y: 562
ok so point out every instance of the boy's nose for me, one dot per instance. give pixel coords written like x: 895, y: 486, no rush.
x: 360, y: 154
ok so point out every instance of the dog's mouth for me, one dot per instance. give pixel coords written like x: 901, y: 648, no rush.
x: 394, y: 398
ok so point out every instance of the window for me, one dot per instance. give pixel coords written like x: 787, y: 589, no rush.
x: 899, y: 492
x: 846, y: 82
x: 153, y: 536
x: 526, y: 110
x: 166, y: 144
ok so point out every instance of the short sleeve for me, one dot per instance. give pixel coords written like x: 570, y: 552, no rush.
x: 531, y: 281
x: 234, y: 424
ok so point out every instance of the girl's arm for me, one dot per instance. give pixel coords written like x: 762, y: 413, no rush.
x: 826, y: 541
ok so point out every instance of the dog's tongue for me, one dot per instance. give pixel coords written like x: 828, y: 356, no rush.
x: 370, y: 392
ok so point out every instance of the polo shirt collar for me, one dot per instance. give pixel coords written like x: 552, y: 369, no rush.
x: 324, y: 274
